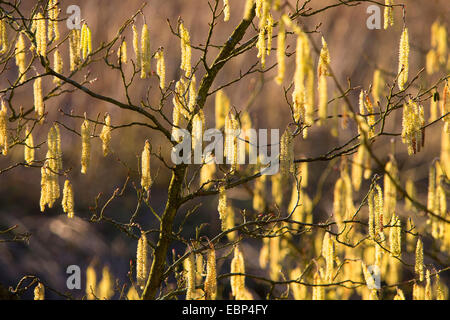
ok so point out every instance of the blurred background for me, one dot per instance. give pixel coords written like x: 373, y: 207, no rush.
x: 57, y: 242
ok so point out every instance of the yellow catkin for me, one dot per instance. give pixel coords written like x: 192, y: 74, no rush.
x: 357, y: 167
x: 231, y: 143
x: 431, y: 64
x: 433, y: 107
x: 438, y: 288
x: 248, y: 9
x: 445, y: 105
x: 328, y: 254
x: 3, y: 37
x: 419, y: 260
x: 39, y: 292
x: 136, y: 47
x: 377, y: 85
x: 146, y: 179
x: 74, y: 45
x: 269, y: 29
x: 38, y: 99
x: 261, y: 46
x: 222, y: 107
x: 298, y: 95
x: 259, y: 194
x: 287, y: 153
x: 189, y: 267
x: 418, y: 292
x: 67, y: 200
x: 41, y: 35
x: 21, y: 57
x: 445, y: 149
x: 207, y: 172
x: 53, y: 12
x: 238, y: 281
x: 4, y: 128
x: 142, y: 267
x: 412, y: 127
x: 428, y: 292
x: 44, y: 187
x: 281, y: 52
x: 192, y: 94
x: 399, y: 295
x: 403, y: 64
x: 318, y: 290
x: 180, y: 99
x: 105, y: 135
x: 211, y: 280
x: 431, y: 199
x: 322, y: 72
x: 57, y: 66
x: 411, y: 191
x: 85, y: 41
x: 161, y: 68
x: 299, y: 291
x: 91, y: 283
x: 395, y: 237
x: 105, y: 286
x: 185, y: 50
x: 222, y: 207
x: 277, y: 189
x: 388, y: 13
x: 85, y: 146
x: 28, y: 147
x: 146, y: 54
x: 390, y: 190
x: 441, y: 45
x: 122, y: 53
x: 226, y: 10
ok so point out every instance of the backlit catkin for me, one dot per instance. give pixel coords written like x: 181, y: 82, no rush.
x: 287, y: 153
x: 38, y: 99
x: 85, y: 146
x: 399, y: 295
x: 21, y: 57
x: 85, y: 41
x: 146, y: 179
x: 161, y: 68
x: 53, y: 12
x: 419, y: 260
x: 322, y: 72
x: 91, y: 283
x: 390, y: 190
x: 222, y: 207
x: 377, y: 85
x: 238, y: 281
x: 211, y: 280
x: 395, y: 236
x: 388, y: 13
x: 57, y: 66
x: 28, y: 148
x: 4, y: 129
x: 122, y: 53
x: 142, y: 261
x: 318, y: 290
x: 3, y: 37
x: 222, y: 107
x: 67, y: 200
x: 231, y: 143
x: 328, y: 254
x: 185, y: 50
x: 403, y: 64
x: 226, y: 10
x: 41, y: 35
x: 137, y: 49
x: 281, y: 52
x: 413, y: 127
x: 74, y: 45
x: 146, y: 54
x: 189, y: 267
x: 105, y: 135
x: 39, y: 292
x: 428, y: 292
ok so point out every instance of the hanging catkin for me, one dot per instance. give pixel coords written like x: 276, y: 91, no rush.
x: 3, y: 37
x: 328, y: 254
x: 29, y: 147
x: 53, y: 12
x: 388, y: 13
x: 238, y: 281
x: 85, y: 146
x: 57, y: 66
x: 322, y: 73
x: 395, y: 236
x: 21, y: 57
x: 189, y: 267
x: 85, y: 41
x: 41, y: 35
x: 105, y: 135
x: 185, y: 50
x: 403, y: 64
x: 161, y: 68
x: 136, y: 47
x: 222, y: 107
x: 231, y: 143
x: 142, y: 261
x: 413, y: 127
x: 222, y: 207
x: 146, y: 179
x: 287, y: 153
x: 146, y: 54
x: 281, y: 52
x: 67, y: 200
x: 38, y: 99
x: 74, y: 45
x: 122, y: 53
x: 211, y: 280
x: 3, y: 129
x: 226, y: 10
x: 419, y: 260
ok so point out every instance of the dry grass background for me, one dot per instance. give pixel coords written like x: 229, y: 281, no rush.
x: 354, y: 49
